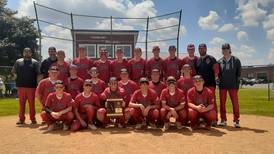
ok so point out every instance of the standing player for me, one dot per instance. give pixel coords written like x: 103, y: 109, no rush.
x: 26, y: 71
x: 63, y: 66
x: 85, y: 107
x: 156, y: 62
x: 156, y: 84
x: 128, y: 85
x: 119, y: 63
x: 74, y: 84
x: 185, y: 82
x: 45, y: 65
x: 58, y: 107
x: 112, y: 92
x: 83, y: 63
x: 200, y: 104
x: 98, y: 85
x: 137, y: 64
x: 144, y: 105
x: 46, y: 86
x: 191, y: 58
x: 173, y: 104
x: 103, y: 65
x: 172, y: 64
x: 208, y: 68
x: 230, y: 73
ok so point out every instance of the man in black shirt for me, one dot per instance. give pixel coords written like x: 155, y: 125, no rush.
x: 230, y: 73
x: 47, y: 62
x: 208, y: 68
x: 26, y: 70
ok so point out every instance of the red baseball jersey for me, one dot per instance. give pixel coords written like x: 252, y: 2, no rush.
x: 157, y: 87
x: 185, y: 84
x: 150, y: 99
x: 63, y: 71
x: 44, y: 88
x: 191, y: 62
x: 83, y: 66
x: 172, y: 100
x: 56, y: 104
x: 104, y: 69
x: 108, y: 94
x: 137, y: 69
x: 172, y: 67
x: 153, y: 63
x: 130, y: 87
x: 116, y: 67
x: 206, y: 97
x: 74, y: 86
x: 82, y: 101
x: 98, y: 87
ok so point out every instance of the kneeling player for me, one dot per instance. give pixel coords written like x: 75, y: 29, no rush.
x: 58, y: 107
x: 173, y: 105
x: 144, y: 105
x: 112, y: 92
x: 85, y: 107
x: 201, y: 104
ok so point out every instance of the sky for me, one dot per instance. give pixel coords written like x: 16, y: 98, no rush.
x: 248, y: 25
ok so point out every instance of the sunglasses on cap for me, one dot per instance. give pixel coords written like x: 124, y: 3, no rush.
x: 59, y: 87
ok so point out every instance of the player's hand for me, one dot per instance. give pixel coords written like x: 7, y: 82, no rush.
x: 145, y: 112
x: 142, y: 107
x: 200, y: 108
x: 55, y: 115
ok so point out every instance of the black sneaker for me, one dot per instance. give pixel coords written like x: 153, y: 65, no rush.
x: 33, y: 122
x: 214, y: 124
x: 20, y: 122
x: 237, y: 124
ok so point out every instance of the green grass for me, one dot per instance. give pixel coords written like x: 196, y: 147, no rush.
x: 252, y: 101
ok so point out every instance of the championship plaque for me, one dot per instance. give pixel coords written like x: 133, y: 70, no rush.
x: 114, y: 107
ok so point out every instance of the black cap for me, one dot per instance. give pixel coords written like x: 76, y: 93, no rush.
x: 226, y: 46
x: 170, y: 80
x: 202, y: 45
x: 172, y: 47
x: 59, y: 82
x: 88, y: 81
x: 53, y: 68
x: 143, y: 80
x: 198, y: 78
x: 52, y: 49
x: 190, y: 46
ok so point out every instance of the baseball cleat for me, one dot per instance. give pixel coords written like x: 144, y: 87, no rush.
x: 51, y: 127
x: 223, y: 124
x: 166, y: 127
x: 33, y: 122
x: 65, y: 127
x: 20, y: 122
x: 214, y: 124
x: 92, y: 127
x: 237, y: 124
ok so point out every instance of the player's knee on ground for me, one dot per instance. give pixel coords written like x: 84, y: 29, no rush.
x: 75, y: 126
x: 101, y: 114
x: 163, y: 113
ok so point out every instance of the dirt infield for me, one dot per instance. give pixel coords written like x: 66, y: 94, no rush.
x: 255, y: 136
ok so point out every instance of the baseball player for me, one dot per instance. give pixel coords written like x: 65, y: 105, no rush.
x: 144, y: 105
x: 230, y: 73
x: 63, y: 66
x: 119, y: 63
x: 200, y: 104
x: 85, y: 107
x: 103, y: 65
x: 173, y: 105
x: 58, y: 107
x: 83, y: 64
x: 137, y: 64
x: 190, y: 59
x: 98, y: 85
x: 172, y: 64
x: 45, y: 65
x: 156, y: 84
x: 156, y: 62
x: 74, y: 84
x: 185, y: 82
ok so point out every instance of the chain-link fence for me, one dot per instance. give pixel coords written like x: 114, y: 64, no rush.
x: 7, y: 82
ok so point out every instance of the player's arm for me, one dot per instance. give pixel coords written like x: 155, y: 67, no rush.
x: 182, y: 103
x: 69, y: 108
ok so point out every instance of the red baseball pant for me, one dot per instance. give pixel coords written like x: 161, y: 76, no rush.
x: 194, y: 116
x: 182, y: 115
x: 215, y: 104
x: 88, y: 116
x: 66, y: 118
x: 25, y: 94
x: 137, y: 116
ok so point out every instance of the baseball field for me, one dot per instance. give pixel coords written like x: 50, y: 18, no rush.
x: 255, y: 136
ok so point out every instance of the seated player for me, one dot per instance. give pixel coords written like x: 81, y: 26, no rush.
x: 98, y: 85
x: 112, y: 92
x: 173, y: 105
x: 58, y: 107
x: 186, y: 81
x: 156, y: 84
x: 85, y: 107
x: 144, y: 105
x: 46, y: 86
x: 200, y: 104
x: 74, y: 84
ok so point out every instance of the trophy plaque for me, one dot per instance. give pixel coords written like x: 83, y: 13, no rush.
x: 114, y: 107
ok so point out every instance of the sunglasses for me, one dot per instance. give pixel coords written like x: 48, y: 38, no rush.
x: 59, y: 87
x: 88, y: 85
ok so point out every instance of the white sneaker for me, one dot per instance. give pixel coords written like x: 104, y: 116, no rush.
x: 223, y: 124
x: 51, y: 127
x: 65, y: 127
x: 138, y: 126
x: 92, y: 126
x: 237, y: 124
x: 120, y: 125
x: 166, y: 127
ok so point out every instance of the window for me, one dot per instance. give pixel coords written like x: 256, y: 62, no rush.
x: 109, y: 49
x: 126, y: 48
x: 90, y: 48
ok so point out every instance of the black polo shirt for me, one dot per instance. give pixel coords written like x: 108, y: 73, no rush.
x: 26, y: 72
x: 45, y: 66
